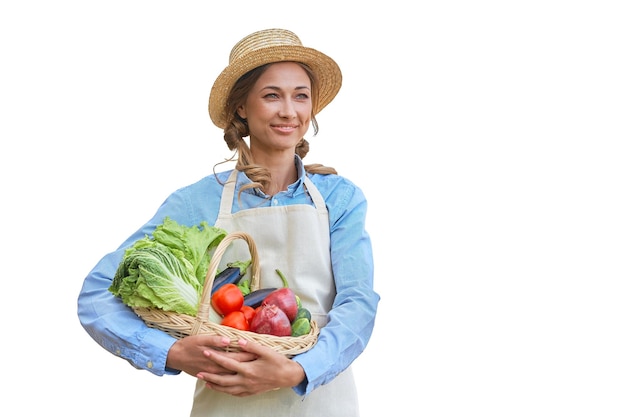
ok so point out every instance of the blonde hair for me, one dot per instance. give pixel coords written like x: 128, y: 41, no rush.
x: 237, y: 129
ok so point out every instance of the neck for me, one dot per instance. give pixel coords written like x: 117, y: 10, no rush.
x: 281, y: 166
x: 282, y: 177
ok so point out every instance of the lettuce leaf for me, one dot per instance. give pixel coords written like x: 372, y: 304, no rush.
x: 167, y: 270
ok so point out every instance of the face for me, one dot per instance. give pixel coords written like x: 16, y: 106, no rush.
x: 278, y: 109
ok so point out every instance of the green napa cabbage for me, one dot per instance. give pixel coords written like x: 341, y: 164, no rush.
x: 167, y: 270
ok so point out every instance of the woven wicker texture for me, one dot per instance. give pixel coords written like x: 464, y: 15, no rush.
x: 181, y: 325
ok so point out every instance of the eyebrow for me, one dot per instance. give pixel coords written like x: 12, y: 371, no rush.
x: 273, y: 87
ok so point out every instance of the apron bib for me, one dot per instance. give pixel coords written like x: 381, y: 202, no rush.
x: 296, y: 240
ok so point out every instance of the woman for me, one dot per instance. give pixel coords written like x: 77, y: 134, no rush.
x: 305, y: 220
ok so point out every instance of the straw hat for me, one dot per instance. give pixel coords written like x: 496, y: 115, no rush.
x: 264, y: 47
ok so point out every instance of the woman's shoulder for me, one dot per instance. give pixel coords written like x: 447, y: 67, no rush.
x: 334, y: 186
x: 213, y: 181
x: 332, y: 180
x: 196, y: 201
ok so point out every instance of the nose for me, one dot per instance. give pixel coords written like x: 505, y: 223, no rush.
x: 287, y: 110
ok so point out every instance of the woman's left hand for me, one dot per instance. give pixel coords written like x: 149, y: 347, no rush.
x: 269, y: 371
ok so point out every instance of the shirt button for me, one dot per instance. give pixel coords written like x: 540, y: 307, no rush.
x: 149, y: 364
x: 274, y: 202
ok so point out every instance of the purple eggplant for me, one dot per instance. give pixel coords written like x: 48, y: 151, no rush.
x: 256, y: 297
x: 232, y: 274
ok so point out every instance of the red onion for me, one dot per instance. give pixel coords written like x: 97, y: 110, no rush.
x: 269, y: 319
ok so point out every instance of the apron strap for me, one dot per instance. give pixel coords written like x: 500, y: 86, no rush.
x: 315, y: 195
x: 226, y: 203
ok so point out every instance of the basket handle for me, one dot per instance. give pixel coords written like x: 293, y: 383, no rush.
x: 205, y: 300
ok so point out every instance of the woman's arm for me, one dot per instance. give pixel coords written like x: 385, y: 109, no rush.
x: 352, y: 316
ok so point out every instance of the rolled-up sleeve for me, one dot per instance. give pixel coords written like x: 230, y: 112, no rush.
x: 114, y: 325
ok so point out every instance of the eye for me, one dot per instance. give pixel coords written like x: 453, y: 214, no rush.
x: 271, y: 96
x: 302, y: 96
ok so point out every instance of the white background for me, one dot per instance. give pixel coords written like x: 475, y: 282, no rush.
x: 487, y: 135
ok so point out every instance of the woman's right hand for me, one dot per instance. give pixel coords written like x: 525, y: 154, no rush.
x: 187, y: 354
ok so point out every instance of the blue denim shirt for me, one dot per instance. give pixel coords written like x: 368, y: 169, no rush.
x: 120, y: 331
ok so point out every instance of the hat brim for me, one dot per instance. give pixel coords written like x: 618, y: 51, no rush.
x: 326, y: 69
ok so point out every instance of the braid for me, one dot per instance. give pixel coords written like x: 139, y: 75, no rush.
x: 302, y: 149
x: 234, y: 135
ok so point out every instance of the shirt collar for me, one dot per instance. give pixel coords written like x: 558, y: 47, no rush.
x: 293, y: 189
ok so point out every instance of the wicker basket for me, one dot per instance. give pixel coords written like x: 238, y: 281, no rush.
x: 180, y: 325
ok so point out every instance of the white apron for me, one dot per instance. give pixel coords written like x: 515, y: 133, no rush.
x: 296, y: 240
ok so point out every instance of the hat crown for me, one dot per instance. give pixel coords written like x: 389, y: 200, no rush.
x: 263, y: 39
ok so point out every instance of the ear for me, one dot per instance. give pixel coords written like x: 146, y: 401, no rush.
x: 241, y: 111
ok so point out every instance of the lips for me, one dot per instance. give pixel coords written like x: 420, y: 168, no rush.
x: 285, y: 128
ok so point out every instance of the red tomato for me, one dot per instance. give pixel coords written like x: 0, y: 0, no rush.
x: 236, y: 319
x: 227, y: 299
x: 249, y: 312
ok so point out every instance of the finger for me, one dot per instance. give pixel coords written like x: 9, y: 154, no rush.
x: 254, y: 347
x: 208, y: 376
x: 224, y: 360
x: 213, y: 340
x: 229, y: 384
x: 241, y: 356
